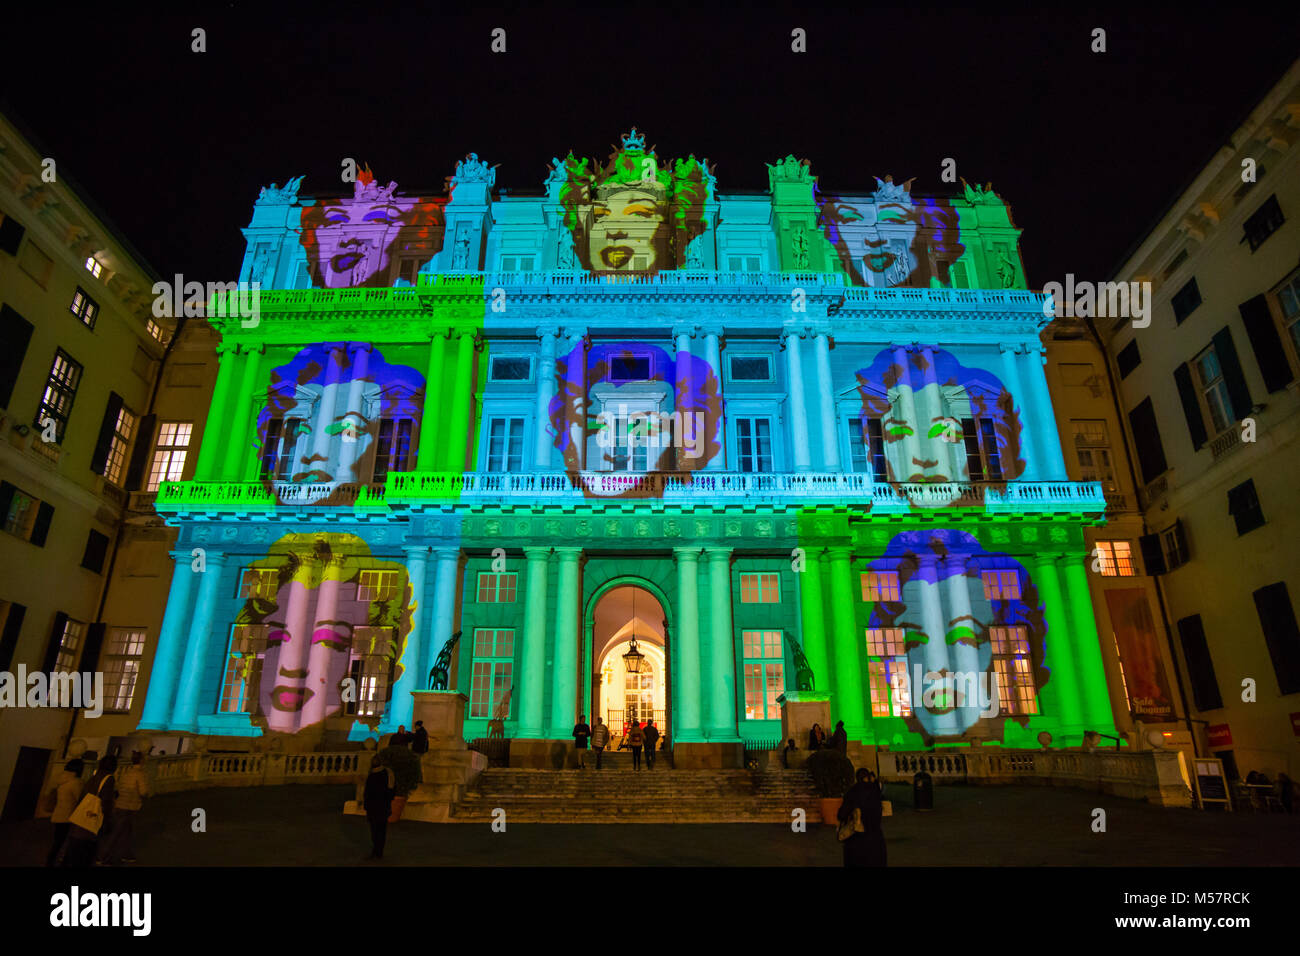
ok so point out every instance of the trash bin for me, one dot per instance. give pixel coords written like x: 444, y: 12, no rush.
x: 922, y: 791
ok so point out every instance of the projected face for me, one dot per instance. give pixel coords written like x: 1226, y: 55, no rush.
x: 323, y: 466
x: 894, y: 241
x: 887, y: 252
x: 355, y: 236
x: 947, y: 642
x: 307, y: 655
x: 922, y: 439
x: 627, y: 232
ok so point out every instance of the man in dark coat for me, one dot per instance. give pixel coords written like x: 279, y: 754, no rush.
x: 381, y: 787
x: 840, y: 739
x: 868, y: 847
x: 420, y: 742
x: 651, y: 734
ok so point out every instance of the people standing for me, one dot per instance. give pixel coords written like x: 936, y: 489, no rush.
x: 66, y: 793
x: 420, y: 741
x: 785, y: 753
x: 377, y: 800
x: 816, y: 737
x: 599, y: 740
x: 866, y: 848
x: 131, y: 791
x: 635, y: 739
x: 580, y: 734
x: 651, y: 734
x: 86, y: 824
x: 840, y: 739
x: 400, y: 737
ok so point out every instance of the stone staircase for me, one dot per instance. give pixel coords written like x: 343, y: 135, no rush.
x: 618, y: 794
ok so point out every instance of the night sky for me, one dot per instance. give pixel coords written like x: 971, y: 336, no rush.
x: 1089, y: 149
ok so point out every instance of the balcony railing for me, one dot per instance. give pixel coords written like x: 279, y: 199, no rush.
x: 253, y: 496
x: 1226, y: 443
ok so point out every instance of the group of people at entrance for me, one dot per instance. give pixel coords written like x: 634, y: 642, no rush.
x: 636, y: 739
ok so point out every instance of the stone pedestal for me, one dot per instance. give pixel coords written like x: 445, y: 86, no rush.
x: 443, y: 713
x: 706, y: 755
x: 538, y: 754
x: 800, y: 709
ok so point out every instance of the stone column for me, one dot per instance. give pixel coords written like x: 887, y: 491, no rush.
x: 564, y: 666
x: 713, y: 355
x: 1039, y: 418
x: 681, y: 369
x: 185, y: 713
x: 826, y: 404
x: 412, y: 660
x: 545, y: 392
x: 431, y: 417
x: 240, y: 433
x: 444, y: 608
x: 909, y: 447
x: 722, y: 649
x: 575, y: 383
x: 949, y: 447
x: 1094, y: 696
x: 533, y: 660
x: 963, y: 656
x: 165, y: 673
x: 207, y: 468
x: 798, y: 415
x: 1060, y: 696
x: 846, y: 641
x: 813, y: 616
x: 320, y: 437
x: 687, y: 717
x: 1011, y: 381
x: 458, y: 425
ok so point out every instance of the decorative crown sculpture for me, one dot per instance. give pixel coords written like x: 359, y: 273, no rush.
x: 889, y: 191
x: 633, y: 141
x: 366, y: 189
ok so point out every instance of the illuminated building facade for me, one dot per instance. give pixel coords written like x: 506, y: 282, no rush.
x: 792, y: 442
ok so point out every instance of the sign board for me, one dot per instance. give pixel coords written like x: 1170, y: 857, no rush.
x: 1220, y: 735
x: 1211, y: 784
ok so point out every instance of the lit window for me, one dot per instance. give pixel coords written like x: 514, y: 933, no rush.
x: 371, y: 670
x: 1015, y: 670
x: 867, y: 448
x: 880, y: 586
x: 20, y: 517
x: 84, y: 307
x: 493, y: 667
x: 1289, y: 298
x: 1115, y: 558
x: 1001, y: 585
x: 155, y: 330
x: 1092, y: 446
x: 887, y: 672
x: 69, y: 644
x: 94, y: 266
x: 497, y: 588
x: 122, y: 657
x: 760, y: 589
x: 764, y: 668
x: 258, y: 583
x: 123, y: 429
x: 377, y: 586
x: 169, y: 453
x: 60, y: 392
x: 243, y: 668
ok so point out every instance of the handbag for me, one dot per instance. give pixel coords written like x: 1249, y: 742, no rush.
x: 886, y: 808
x: 851, y: 826
x: 89, y: 814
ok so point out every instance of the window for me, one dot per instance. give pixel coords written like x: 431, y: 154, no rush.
x: 1243, y: 505
x: 94, y: 266
x: 1263, y: 222
x: 510, y: 368
x: 393, y: 449
x: 983, y: 458
x: 1115, y: 558
x: 1001, y: 585
x: 1186, y: 300
x: 1146, y: 439
x: 302, y: 275
x: 629, y: 368
x: 259, y: 583
x: 517, y: 263
x: 497, y: 588
x: 760, y: 589
x: 24, y: 515
x: 1214, y: 390
x: 1015, y: 670
x: 887, y: 671
x: 1174, y: 544
x: 958, y: 274
x: 122, y: 660
x: 69, y: 639
x: 60, y: 392
x: 1092, y: 446
x: 243, y: 669
x: 84, y: 307
x: 764, y: 674
x: 1128, y: 359
x: 123, y: 429
x: 36, y: 264
x: 407, y: 270
x: 880, y: 586
x: 96, y: 549
x: 377, y: 586
x: 1175, y: 264
x: 1200, y: 666
x: 493, y: 666
x: 280, y: 446
x: 505, y: 452
x: 1277, y: 618
x: 754, y: 445
x: 155, y: 330
x: 11, y: 626
x: 1289, y: 298
x: 867, y: 448
x: 751, y: 368
x: 744, y: 263
x: 169, y: 453
x: 371, y: 669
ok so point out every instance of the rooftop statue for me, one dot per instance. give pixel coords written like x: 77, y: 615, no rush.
x: 980, y: 195
x: 889, y: 191
x: 367, y: 190
x: 473, y: 170
x: 633, y: 140
x: 789, y: 170
x: 273, y: 194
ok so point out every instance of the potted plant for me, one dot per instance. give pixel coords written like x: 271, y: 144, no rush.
x: 405, y: 765
x: 832, y: 774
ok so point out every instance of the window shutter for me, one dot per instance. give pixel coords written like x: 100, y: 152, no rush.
x: 1266, y: 343
x: 1277, y: 618
x: 15, y: 334
x: 52, y: 649
x: 96, y: 550
x: 140, y: 454
x: 1191, y: 406
x: 9, y: 640
x: 44, y: 515
x: 99, y: 460
x: 1153, y: 555
x: 1200, y: 666
x: 1232, y: 377
x: 1146, y: 438
x: 6, y: 499
x: 11, y: 236
x: 94, y: 642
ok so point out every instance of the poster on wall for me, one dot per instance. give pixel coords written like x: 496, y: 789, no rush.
x: 1144, y: 672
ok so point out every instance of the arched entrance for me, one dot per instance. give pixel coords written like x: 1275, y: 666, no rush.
x: 624, y: 612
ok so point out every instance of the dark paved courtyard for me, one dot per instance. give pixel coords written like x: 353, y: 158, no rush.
x: 1015, y: 826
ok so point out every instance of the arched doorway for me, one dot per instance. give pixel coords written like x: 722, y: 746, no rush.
x: 622, y: 613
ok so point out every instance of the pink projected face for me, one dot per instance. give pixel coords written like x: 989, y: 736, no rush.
x: 308, y: 649
x: 354, y: 237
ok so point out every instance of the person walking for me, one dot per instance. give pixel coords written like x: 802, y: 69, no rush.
x: 840, y: 739
x: 581, y: 732
x: 420, y: 740
x: 867, y: 846
x: 651, y: 734
x: 381, y: 787
x: 131, y: 791
x: 86, y: 824
x: 635, y: 740
x: 599, y: 740
x: 66, y: 793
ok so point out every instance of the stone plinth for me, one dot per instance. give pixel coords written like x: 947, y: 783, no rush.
x: 538, y: 754
x: 443, y: 713
x: 706, y: 755
x: 800, y: 709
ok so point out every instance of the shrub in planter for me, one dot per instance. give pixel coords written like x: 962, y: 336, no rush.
x: 406, y: 768
x: 832, y: 774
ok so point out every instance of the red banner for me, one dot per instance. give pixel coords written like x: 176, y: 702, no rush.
x: 1220, y: 735
x: 1144, y: 672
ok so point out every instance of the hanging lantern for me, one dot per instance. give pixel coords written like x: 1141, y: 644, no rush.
x: 633, y: 658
